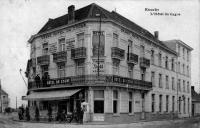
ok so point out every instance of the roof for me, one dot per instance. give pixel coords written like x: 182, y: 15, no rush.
x: 90, y: 11
x: 3, y: 92
x: 170, y: 42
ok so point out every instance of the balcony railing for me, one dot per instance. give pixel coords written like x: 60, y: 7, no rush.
x: 93, y: 80
x: 117, y: 53
x: 144, y: 62
x: 43, y: 60
x: 132, y: 58
x: 60, y: 56
x: 78, y: 53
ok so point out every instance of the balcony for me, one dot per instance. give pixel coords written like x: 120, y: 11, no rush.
x: 43, y: 60
x: 60, y: 56
x: 93, y: 80
x: 132, y: 58
x: 78, y: 53
x: 117, y: 53
x: 145, y: 63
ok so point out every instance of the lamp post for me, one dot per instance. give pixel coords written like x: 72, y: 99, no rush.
x: 99, y: 15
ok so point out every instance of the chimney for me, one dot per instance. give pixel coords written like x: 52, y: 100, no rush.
x: 71, y: 14
x: 156, y: 34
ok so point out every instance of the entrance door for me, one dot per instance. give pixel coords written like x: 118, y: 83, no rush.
x: 193, y: 107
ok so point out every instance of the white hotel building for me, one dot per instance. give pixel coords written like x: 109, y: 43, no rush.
x: 138, y: 73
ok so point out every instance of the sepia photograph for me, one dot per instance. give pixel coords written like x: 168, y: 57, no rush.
x: 99, y: 64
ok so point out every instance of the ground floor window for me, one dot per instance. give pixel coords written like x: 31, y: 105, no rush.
x: 160, y: 103
x: 188, y: 105
x: 115, y: 101
x: 173, y: 103
x: 153, y: 103
x: 98, y: 101
x: 130, y: 102
x: 179, y: 105
x: 167, y: 103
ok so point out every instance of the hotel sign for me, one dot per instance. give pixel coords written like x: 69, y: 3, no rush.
x: 66, y: 80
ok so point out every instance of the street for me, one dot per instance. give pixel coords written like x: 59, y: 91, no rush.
x: 6, y: 121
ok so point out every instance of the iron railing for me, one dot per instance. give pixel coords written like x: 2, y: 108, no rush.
x: 117, y: 53
x: 144, y: 62
x: 43, y: 60
x: 60, y: 56
x: 78, y: 53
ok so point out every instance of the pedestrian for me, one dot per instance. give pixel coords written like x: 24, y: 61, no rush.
x: 49, y: 113
x: 37, y: 114
x: 27, y: 114
x: 22, y: 108
x: 20, y: 113
x: 37, y: 81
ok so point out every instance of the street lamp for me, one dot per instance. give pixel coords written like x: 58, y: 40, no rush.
x: 99, y: 15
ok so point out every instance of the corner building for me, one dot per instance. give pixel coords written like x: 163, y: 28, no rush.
x: 136, y: 78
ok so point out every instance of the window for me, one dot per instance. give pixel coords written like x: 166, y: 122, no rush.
x: 160, y: 59
x: 188, y: 105
x: 130, y: 71
x: 61, y: 70
x: 173, y: 87
x: 166, y: 62
x: 153, y: 103
x: 167, y: 82
x: 188, y: 87
x: 80, y: 68
x: 179, y: 70
x: 179, y: 105
x: 188, y: 56
x: 95, y: 43
x: 153, y: 78
x: 160, y: 80
x: 152, y: 56
x: 70, y: 44
x: 188, y: 74
x: 142, y: 52
x: 167, y: 103
x: 184, y: 86
x: 179, y: 49
x: 115, y: 101
x: 179, y: 85
x: 183, y: 53
x: 172, y: 64
x: 131, y: 102
x: 45, y: 48
x: 160, y: 103
x: 80, y: 40
x: 184, y: 108
x: 61, y: 43
x: 173, y: 103
x: 98, y: 101
x: 116, y: 67
x: 115, y: 40
x: 143, y: 74
x: 183, y: 69
x: 130, y: 46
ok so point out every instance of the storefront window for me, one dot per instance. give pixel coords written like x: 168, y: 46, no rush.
x: 98, y: 101
x: 115, y: 101
x: 131, y: 102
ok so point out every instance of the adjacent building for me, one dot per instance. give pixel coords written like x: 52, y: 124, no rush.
x: 195, y: 102
x: 121, y: 70
x: 4, y: 102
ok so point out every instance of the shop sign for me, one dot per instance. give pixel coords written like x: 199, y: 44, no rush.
x: 98, y: 118
x: 59, y: 81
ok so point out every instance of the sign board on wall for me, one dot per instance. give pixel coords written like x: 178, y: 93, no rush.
x: 101, y: 66
x: 98, y: 118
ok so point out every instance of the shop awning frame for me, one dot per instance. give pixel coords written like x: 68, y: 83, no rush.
x: 51, y: 95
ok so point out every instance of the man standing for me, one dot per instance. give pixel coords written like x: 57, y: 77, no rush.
x: 37, y: 81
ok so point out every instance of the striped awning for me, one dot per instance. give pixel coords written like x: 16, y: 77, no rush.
x: 51, y: 95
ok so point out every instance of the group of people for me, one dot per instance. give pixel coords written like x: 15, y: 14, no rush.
x: 44, y: 80
x: 23, y: 113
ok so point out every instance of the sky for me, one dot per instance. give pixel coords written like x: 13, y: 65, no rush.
x: 19, y: 19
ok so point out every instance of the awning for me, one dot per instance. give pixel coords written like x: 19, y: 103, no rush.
x: 51, y: 95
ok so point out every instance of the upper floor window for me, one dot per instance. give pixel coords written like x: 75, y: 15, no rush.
x: 167, y: 82
x: 130, y: 46
x: 80, y: 67
x: 61, y: 70
x: 179, y: 69
x: 179, y: 49
x: 184, y: 86
x: 188, y: 55
x: 188, y: 87
x: 188, y: 71
x: 70, y: 43
x: 130, y: 71
x: 160, y: 80
x: 115, y: 40
x: 80, y: 40
x: 45, y: 48
x: 179, y: 85
x: 172, y: 65
x: 115, y: 67
x: 183, y: 53
x: 166, y: 62
x: 61, y: 43
x: 98, y: 44
x: 173, y: 86
x: 143, y: 74
x: 152, y: 56
x: 153, y: 78
x: 183, y: 68
x: 142, y: 51
x: 160, y: 59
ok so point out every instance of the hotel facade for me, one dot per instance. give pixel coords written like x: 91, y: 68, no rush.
x: 123, y: 72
